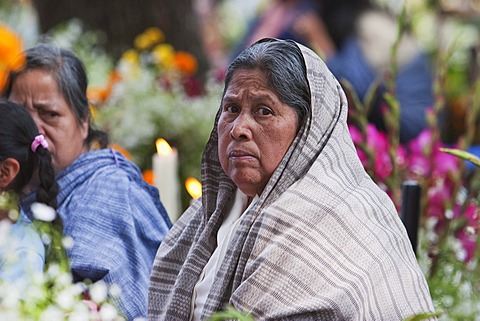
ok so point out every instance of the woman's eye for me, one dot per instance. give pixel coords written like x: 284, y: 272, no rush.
x: 264, y: 111
x: 50, y: 114
x: 232, y: 109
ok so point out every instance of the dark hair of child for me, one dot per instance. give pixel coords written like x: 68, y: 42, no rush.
x: 17, y: 132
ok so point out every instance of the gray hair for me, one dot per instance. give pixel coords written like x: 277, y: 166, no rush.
x: 283, y: 64
x: 71, y: 78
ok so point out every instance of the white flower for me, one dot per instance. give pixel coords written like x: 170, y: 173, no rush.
x: 78, y: 288
x: 10, y: 295
x: 35, y: 293
x: 108, y: 312
x: 98, y: 292
x: 80, y: 312
x: 64, y: 279
x: 51, y: 313
x: 66, y: 299
x: 46, y: 239
x: 53, y: 271
x: 67, y: 242
x: 43, y: 212
x: 11, y: 314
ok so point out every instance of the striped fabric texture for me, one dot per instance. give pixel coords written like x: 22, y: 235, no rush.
x: 323, y: 242
x: 117, y: 223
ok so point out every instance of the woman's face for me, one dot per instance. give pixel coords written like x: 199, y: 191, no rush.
x: 255, y: 130
x: 38, y: 91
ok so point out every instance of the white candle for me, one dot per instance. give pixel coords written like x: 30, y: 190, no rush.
x: 165, y: 177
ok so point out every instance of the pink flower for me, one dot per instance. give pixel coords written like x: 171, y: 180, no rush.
x: 383, y: 165
x: 355, y: 134
x: 419, y: 166
x: 437, y: 195
x: 420, y: 144
x: 444, y: 163
x: 357, y: 139
x: 468, y: 236
x: 376, y: 140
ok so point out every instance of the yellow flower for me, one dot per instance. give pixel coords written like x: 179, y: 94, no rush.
x: 148, y: 38
x: 93, y: 110
x: 131, y: 56
x: 164, y: 55
x: 11, y: 53
x: 186, y: 62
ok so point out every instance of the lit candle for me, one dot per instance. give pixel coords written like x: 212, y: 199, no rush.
x: 165, y: 177
x: 194, y: 188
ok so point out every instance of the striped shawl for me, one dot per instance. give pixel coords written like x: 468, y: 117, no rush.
x: 323, y: 242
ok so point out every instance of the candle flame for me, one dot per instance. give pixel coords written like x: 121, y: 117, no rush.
x: 194, y: 188
x: 163, y: 148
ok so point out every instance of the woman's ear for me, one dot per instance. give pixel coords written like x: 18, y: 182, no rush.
x: 9, y: 169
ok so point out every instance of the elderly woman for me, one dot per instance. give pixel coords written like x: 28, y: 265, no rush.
x: 290, y: 226
x: 116, y: 220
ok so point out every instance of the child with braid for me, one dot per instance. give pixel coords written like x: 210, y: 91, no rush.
x: 24, y: 158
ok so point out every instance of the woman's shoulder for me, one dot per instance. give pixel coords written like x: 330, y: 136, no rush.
x: 101, y: 181
x: 100, y: 167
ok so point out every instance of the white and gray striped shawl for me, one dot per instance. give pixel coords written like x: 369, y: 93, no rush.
x: 323, y: 242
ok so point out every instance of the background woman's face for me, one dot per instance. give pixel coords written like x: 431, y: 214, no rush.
x: 255, y: 130
x: 38, y: 91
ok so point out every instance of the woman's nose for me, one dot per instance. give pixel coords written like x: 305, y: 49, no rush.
x: 241, y: 128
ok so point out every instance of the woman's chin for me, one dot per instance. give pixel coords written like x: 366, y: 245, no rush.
x: 249, y: 185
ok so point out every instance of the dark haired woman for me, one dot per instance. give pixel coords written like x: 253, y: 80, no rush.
x: 115, y: 218
x: 289, y: 226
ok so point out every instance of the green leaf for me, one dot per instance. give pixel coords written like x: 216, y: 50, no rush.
x: 462, y: 154
x: 423, y: 316
x: 229, y: 314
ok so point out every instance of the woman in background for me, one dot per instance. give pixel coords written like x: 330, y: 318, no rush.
x: 114, y: 217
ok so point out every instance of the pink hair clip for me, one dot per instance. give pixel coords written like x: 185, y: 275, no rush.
x: 39, y: 140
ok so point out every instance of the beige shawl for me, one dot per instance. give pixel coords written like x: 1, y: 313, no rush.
x: 323, y: 242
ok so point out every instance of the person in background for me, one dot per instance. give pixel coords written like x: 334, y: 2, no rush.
x: 355, y: 37
x: 364, y: 36
x: 289, y: 225
x: 115, y: 218
x: 23, y: 156
x: 296, y: 20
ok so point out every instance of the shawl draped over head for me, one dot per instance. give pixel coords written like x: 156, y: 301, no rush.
x: 117, y: 223
x: 323, y: 242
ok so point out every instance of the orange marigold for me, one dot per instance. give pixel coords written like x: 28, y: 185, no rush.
x: 101, y: 94
x: 11, y: 53
x: 186, y: 62
x: 97, y: 94
x: 148, y: 176
x: 122, y: 150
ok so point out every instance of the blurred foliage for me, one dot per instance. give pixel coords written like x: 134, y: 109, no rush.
x: 448, y: 249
